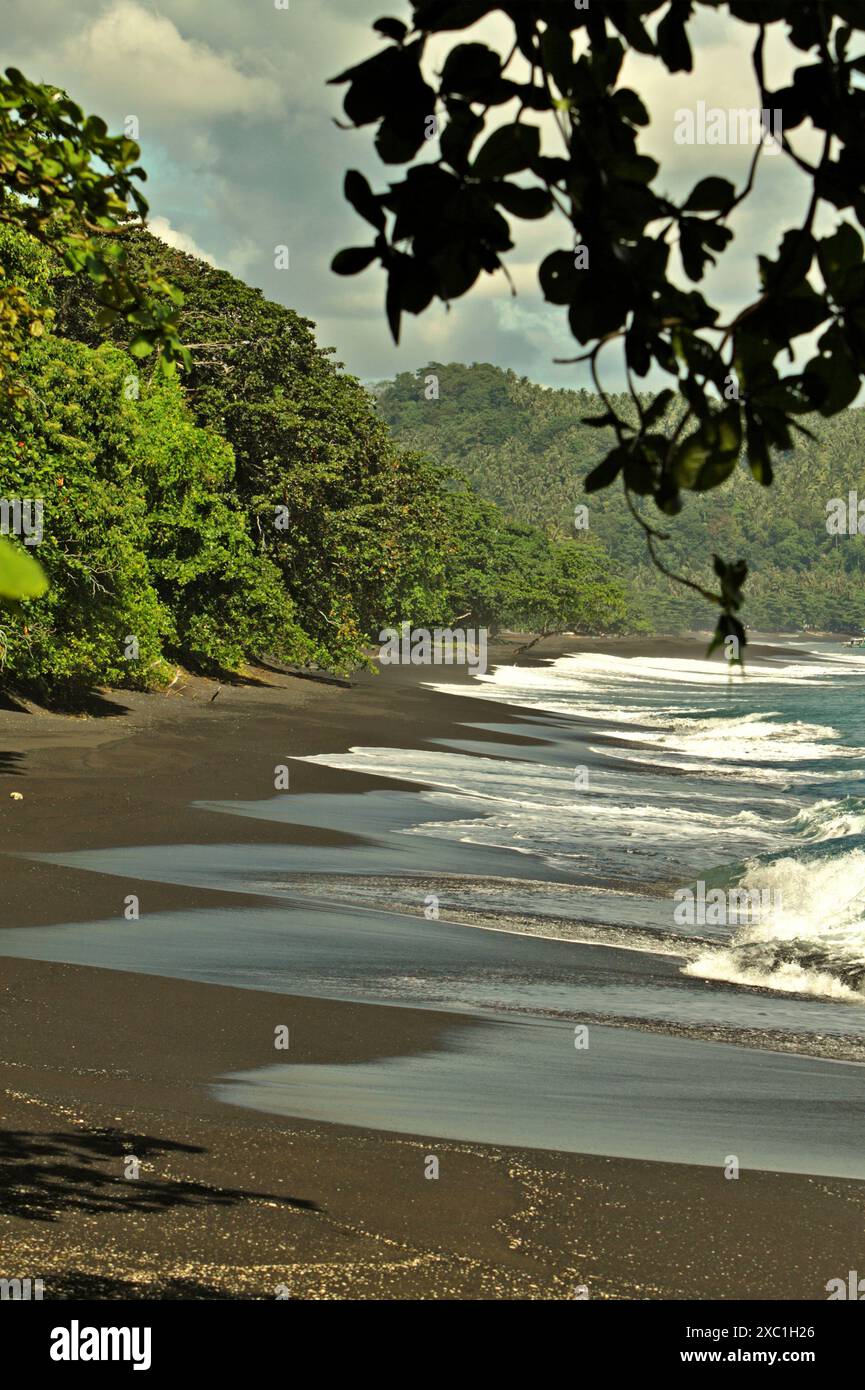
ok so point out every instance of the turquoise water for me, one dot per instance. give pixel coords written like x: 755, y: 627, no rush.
x: 689, y: 780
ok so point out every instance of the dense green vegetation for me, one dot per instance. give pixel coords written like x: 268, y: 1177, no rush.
x: 524, y: 448
x: 68, y: 185
x: 255, y: 506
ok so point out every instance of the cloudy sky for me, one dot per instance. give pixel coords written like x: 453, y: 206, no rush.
x: 238, y: 136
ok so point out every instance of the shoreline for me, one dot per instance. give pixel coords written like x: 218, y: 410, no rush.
x: 95, y: 1059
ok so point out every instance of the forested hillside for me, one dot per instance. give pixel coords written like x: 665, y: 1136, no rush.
x: 254, y: 505
x: 524, y: 448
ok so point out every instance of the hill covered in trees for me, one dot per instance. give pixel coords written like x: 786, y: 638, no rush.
x: 254, y: 505
x: 527, y: 449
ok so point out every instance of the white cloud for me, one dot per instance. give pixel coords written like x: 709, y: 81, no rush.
x: 162, y: 228
x: 541, y: 326
x: 139, y: 60
x: 242, y: 257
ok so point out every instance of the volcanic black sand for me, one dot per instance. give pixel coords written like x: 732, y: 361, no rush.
x: 102, y: 1068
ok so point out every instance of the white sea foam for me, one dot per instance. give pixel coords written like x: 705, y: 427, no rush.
x: 751, y: 739
x: 620, y: 824
x: 729, y: 747
x: 831, y: 820
x: 789, y: 977
x: 622, y: 692
x: 589, y: 673
x: 814, y: 942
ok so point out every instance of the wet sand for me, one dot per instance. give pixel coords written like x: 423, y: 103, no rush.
x: 101, y: 1066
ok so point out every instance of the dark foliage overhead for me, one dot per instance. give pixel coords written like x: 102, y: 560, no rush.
x: 471, y: 136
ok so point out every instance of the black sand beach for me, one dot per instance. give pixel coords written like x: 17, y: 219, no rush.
x: 100, y: 1065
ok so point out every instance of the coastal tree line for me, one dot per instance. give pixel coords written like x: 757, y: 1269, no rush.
x: 252, y: 505
x: 528, y: 449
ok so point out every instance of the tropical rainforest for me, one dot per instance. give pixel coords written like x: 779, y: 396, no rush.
x: 526, y: 449
x: 252, y: 506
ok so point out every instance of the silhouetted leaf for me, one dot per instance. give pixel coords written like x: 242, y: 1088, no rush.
x: 353, y: 259
x: 391, y: 28
x: 711, y: 194
x: 606, y: 471
x: 469, y: 70
x: 529, y: 203
x: 362, y: 199
x: 508, y: 150
x: 672, y: 37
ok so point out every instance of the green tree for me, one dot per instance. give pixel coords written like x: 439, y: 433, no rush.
x: 350, y: 520
x: 501, y: 573
x: 145, y: 542
x: 226, y: 601
x: 72, y: 451
x: 70, y: 186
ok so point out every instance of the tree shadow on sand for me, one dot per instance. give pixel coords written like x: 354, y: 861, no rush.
x: 97, y: 704
x: 44, y: 1176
